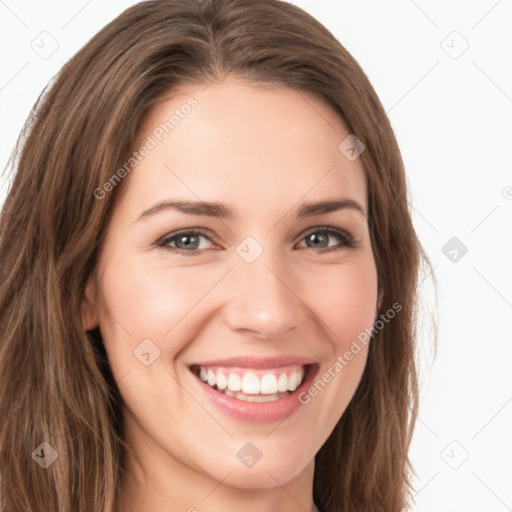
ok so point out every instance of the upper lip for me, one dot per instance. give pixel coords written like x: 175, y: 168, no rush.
x: 258, y: 362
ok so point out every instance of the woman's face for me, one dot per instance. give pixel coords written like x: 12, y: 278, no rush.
x: 264, y: 282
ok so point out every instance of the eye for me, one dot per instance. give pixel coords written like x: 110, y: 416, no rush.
x: 186, y: 241
x: 189, y: 241
x: 322, y: 241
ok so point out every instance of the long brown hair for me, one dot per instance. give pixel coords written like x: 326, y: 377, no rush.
x: 55, y: 383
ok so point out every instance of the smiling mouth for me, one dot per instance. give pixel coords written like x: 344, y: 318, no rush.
x: 251, y: 385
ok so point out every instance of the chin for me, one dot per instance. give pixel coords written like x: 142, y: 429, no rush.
x: 273, y: 468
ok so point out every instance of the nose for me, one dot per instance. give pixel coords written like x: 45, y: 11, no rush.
x: 262, y: 301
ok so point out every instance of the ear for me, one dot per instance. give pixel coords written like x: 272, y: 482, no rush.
x: 89, y: 306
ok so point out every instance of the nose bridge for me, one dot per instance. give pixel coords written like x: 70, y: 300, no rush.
x: 262, y: 300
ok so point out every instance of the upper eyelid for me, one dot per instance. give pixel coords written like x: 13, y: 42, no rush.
x: 174, y: 234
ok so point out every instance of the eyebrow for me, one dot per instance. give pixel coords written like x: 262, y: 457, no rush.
x: 215, y: 209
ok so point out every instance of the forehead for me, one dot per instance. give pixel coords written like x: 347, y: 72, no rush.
x: 254, y: 144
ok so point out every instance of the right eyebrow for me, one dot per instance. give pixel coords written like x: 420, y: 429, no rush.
x: 211, y: 209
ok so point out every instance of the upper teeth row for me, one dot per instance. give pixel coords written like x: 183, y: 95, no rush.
x: 250, y: 383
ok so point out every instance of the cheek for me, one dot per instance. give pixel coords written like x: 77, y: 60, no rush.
x: 345, y: 302
x: 344, y: 299
x: 145, y: 300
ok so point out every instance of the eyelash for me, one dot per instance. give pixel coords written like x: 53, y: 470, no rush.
x: 346, y: 240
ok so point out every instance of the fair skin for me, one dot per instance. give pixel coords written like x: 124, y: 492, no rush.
x: 264, y: 152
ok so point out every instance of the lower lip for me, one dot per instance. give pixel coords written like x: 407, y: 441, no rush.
x: 258, y: 412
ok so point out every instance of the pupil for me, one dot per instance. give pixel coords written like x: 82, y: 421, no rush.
x: 313, y: 237
x: 187, y: 244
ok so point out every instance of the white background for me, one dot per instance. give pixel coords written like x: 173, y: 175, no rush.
x: 452, y: 114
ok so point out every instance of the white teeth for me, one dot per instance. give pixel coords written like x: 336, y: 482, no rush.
x: 295, y: 380
x: 212, y: 379
x: 282, y: 382
x: 254, y: 398
x: 292, y: 381
x: 251, y: 383
x: 300, y: 377
x: 222, y: 382
x: 234, y: 382
x: 268, y: 384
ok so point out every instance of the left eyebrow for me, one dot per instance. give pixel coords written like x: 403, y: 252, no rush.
x: 308, y: 210
x: 214, y: 209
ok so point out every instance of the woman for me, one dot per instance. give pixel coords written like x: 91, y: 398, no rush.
x: 176, y: 334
